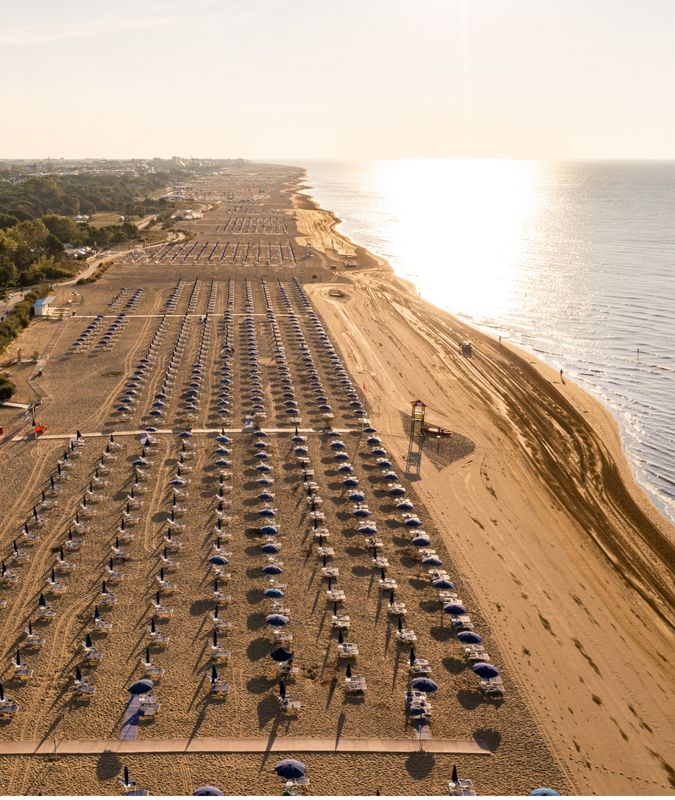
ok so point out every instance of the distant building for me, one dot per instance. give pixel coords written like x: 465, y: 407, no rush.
x: 42, y: 307
x: 187, y: 213
x: 81, y: 217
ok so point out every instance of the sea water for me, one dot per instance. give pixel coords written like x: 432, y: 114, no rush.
x: 573, y: 261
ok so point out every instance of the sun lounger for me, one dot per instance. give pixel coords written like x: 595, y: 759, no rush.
x: 335, y: 596
x: 492, y: 687
x: 396, y: 609
x: 347, y: 650
x: 288, y: 706
x: 330, y: 573
x: 463, y: 787
x: 476, y: 652
x: 219, y: 688
x: 355, y: 685
x: 283, y: 636
x: 84, y: 690
x: 341, y: 622
x: 420, y: 666
x: 462, y: 622
x: 406, y: 636
x: 8, y: 708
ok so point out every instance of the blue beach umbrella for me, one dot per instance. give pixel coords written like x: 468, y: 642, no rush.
x: 485, y: 670
x: 544, y: 791
x: 272, y: 591
x: 454, y: 608
x: 424, y: 685
x: 350, y: 482
x: 369, y: 529
x: 442, y: 583
x: 290, y: 769
x: 281, y: 655
x: 272, y: 569
x: 208, y: 791
x: 412, y: 522
x: 270, y: 547
x: 141, y: 687
x: 469, y: 637
x: 219, y: 560
x: 432, y: 561
x: 269, y: 529
x: 420, y: 540
x: 356, y: 497
x: 277, y: 620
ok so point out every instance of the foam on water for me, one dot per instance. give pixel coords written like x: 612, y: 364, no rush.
x: 573, y: 261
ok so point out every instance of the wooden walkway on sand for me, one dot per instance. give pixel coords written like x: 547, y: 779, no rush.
x: 260, y: 744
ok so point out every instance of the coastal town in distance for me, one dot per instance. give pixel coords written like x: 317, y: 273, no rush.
x: 272, y: 523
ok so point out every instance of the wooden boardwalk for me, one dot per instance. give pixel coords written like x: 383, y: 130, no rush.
x: 260, y: 744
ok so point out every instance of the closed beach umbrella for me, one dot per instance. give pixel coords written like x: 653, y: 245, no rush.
x: 290, y: 769
x: 469, y: 637
x: 141, y: 687
x: 454, y: 608
x: 424, y: 685
x: 348, y: 671
x: 485, y: 670
x: 281, y: 655
x: 277, y: 620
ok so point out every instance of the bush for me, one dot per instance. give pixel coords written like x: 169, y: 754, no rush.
x: 7, y: 388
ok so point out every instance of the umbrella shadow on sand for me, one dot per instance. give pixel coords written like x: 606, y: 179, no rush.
x: 488, y: 738
x: 419, y: 765
x: 108, y: 765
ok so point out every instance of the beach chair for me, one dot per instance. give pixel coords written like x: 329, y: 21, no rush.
x: 347, y: 651
x: 219, y: 688
x: 335, y: 596
x: 397, y: 609
x: 406, y: 637
x: 83, y: 690
x: 8, y: 708
x: 289, y: 706
x: 283, y: 636
x: 340, y: 622
x: 462, y: 787
x: 148, y: 706
x: 330, y: 573
x: 355, y: 685
x: 22, y: 672
x: 476, y: 652
x: 492, y: 688
x: 287, y: 671
x: 162, y: 612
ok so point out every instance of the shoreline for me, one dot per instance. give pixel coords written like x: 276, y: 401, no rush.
x: 664, y: 506
x: 567, y: 470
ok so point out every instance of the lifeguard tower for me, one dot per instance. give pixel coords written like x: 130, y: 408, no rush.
x: 414, y: 458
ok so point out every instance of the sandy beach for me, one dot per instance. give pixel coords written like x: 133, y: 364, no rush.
x: 558, y: 555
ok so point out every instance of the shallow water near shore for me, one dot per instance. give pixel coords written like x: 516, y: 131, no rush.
x: 573, y: 261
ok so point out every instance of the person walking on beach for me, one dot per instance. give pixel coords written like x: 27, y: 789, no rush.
x: 562, y: 380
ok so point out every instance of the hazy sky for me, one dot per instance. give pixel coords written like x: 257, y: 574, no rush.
x: 350, y: 79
